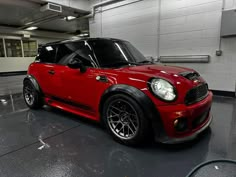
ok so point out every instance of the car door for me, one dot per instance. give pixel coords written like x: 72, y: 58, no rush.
x: 49, y: 78
x: 78, y: 88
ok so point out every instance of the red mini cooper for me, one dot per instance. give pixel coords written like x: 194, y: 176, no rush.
x: 109, y: 80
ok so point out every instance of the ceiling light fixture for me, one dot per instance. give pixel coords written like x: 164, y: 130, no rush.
x: 84, y: 35
x: 31, y: 28
x: 70, y: 18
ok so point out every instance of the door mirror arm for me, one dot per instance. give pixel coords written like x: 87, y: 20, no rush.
x: 76, y: 63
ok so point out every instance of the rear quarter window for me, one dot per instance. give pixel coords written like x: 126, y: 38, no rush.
x: 47, y: 54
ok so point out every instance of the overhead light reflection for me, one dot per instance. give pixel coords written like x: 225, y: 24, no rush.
x: 31, y: 28
x: 121, y: 51
x: 3, y: 101
x: 68, y: 18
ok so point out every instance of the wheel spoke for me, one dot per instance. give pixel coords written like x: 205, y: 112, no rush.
x: 112, y: 121
x: 133, y: 125
x: 116, y: 108
x: 115, y: 114
x: 122, y: 128
x: 129, y: 128
x: 116, y: 125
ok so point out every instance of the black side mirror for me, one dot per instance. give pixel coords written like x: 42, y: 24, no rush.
x: 76, y: 63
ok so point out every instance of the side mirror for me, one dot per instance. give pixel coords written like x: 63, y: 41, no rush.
x: 76, y: 63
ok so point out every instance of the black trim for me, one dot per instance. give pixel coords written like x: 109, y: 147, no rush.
x: 14, y: 73
x: 190, y: 75
x: 224, y: 93
x: 143, y: 100
x: 192, y: 95
x: 72, y: 103
x: 34, y: 82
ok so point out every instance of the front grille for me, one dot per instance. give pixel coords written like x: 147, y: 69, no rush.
x: 200, y: 119
x: 196, y: 94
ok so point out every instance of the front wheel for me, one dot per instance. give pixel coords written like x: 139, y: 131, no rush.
x: 32, y: 97
x: 125, y: 119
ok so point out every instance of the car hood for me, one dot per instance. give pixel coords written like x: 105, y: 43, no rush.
x: 156, y: 69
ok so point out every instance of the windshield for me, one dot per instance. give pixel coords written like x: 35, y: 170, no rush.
x: 116, y: 53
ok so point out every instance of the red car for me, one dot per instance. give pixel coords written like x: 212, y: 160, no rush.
x: 109, y: 80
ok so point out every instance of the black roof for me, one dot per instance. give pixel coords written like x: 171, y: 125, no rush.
x: 77, y: 40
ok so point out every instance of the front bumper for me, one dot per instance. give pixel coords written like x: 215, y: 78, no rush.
x: 168, y: 140
x: 190, y: 113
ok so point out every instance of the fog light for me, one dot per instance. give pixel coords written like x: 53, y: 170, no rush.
x: 180, y: 124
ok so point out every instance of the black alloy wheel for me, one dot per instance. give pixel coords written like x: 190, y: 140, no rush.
x: 32, y: 97
x: 125, y: 119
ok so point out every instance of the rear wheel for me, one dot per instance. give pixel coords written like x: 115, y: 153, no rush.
x: 32, y: 97
x: 125, y: 119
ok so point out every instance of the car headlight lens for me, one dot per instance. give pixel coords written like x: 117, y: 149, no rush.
x: 163, y: 89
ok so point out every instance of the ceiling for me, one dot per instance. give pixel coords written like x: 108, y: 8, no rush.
x: 19, y: 13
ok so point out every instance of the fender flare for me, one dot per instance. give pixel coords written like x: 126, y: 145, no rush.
x: 34, y: 82
x: 142, y: 99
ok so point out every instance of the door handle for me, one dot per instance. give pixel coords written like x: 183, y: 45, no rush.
x: 52, y: 72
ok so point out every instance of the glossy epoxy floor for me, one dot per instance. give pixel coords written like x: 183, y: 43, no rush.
x: 52, y: 143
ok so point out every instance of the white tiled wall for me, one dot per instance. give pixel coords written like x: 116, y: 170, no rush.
x: 136, y: 22
x: 186, y: 27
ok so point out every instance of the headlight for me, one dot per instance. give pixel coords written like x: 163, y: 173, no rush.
x: 163, y: 89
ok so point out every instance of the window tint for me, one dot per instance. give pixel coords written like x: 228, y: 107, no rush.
x: 13, y: 48
x: 79, y: 50
x: 2, y: 54
x: 47, y: 54
x: 110, y: 53
x: 107, y: 52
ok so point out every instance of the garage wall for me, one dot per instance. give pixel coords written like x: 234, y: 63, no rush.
x: 193, y: 27
x: 132, y: 20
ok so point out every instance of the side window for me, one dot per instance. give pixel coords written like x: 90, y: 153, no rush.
x: 47, y: 54
x: 13, y: 48
x: 30, y: 48
x: 63, y: 54
x: 79, y: 50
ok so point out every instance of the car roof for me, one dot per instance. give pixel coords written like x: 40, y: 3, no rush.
x: 78, y: 40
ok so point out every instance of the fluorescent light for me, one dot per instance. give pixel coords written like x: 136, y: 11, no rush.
x: 31, y: 28
x: 70, y: 18
x: 185, y: 59
x: 3, y: 100
x: 84, y: 35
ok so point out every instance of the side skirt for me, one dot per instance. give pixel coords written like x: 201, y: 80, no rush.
x: 71, y: 107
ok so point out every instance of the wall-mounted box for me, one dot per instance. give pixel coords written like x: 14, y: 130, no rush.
x: 228, y: 24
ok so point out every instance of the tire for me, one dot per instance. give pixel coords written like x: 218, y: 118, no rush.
x: 125, y: 120
x: 32, y: 97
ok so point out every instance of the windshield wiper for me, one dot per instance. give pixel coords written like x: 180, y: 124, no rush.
x: 125, y: 63
x: 145, y: 61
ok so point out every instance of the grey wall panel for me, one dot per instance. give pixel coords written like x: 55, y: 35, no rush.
x: 228, y: 25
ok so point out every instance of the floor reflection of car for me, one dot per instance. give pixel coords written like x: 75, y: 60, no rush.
x: 109, y: 80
